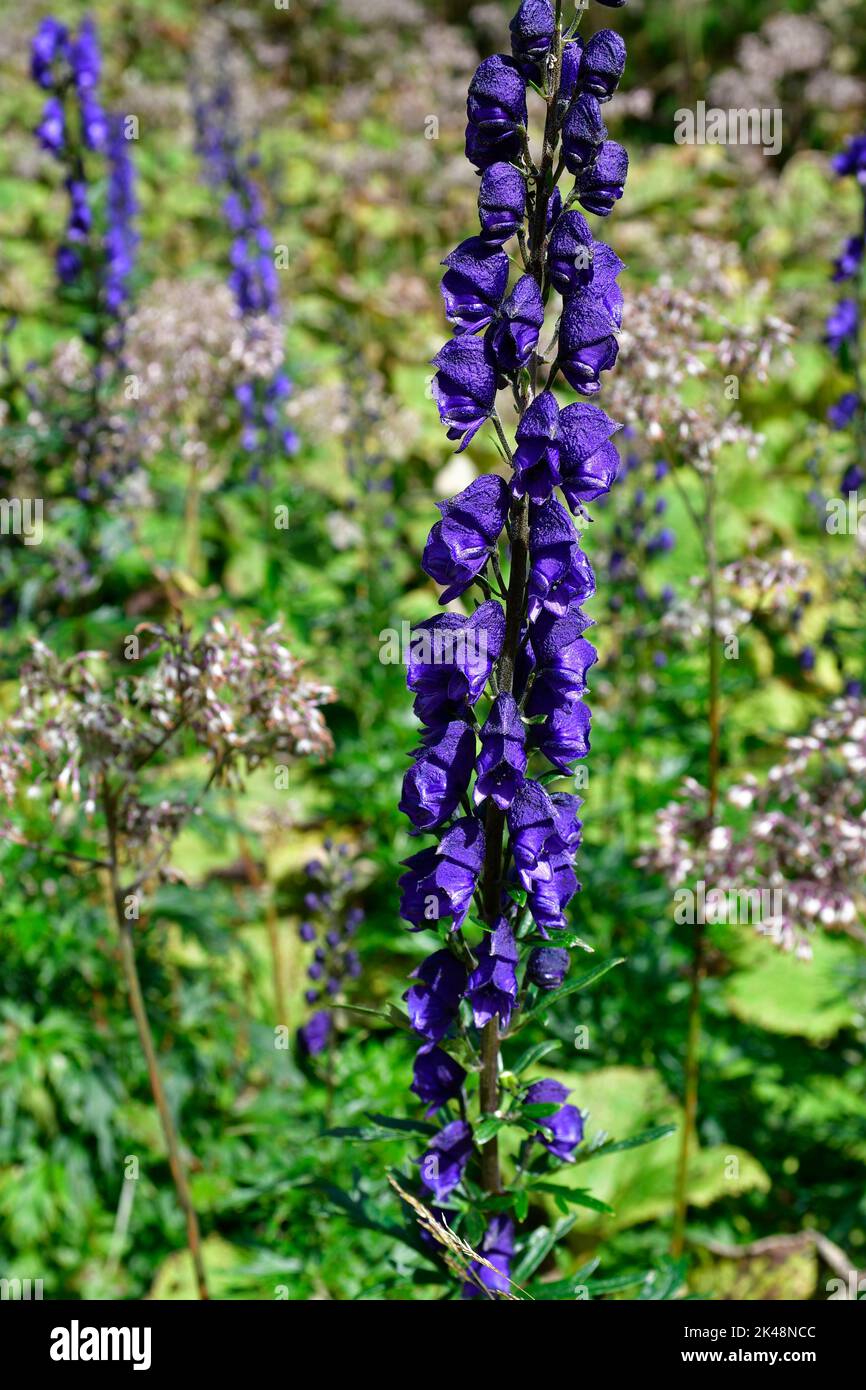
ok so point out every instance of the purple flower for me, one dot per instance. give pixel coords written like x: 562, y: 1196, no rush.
x: 563, y: 658
x: 844, y: 410
x: 603, y: 183
x: 437, y: 1077
x: 852, y: 160
x: 497, y: 1248
x: 807, y: 659
x: 50, y: 41
x: 433, y: 1002
x: 68, y: 265
x: 535, y: 837
x: 307, y: 932
x: 439, y: 776
x: 501, y: 202
x: 459, y: 545
x: 582, y: 133
x: 94, y: 123
x: 849, y: 262
x: 85, y: 57
x: 51, y: 130
x: 473, y: 284
x: 532, y: 31
x: 589, y: 461
x: 842, y: 324
x: 536, y: 458
x: 450, y: 660
x: 502, y: 760
x: 565, y: 1124
x: 602, y: 64
x: 492, y: 987
x: 571, y: 55
x: 443, y: 1164
x: 587, y: 336
x: 547, y: 966
x: 549, y: 897
x: 513, y: 335
x: 665, y: 540
x: 564, y: 735
x: 496, y: 112
x: 440, y: 881
x: 314, y: 1035
x: 569, y: 255
x: 560, y: 573
x: 464, y: 386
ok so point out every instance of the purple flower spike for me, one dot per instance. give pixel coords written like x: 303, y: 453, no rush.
x: 514, y: 334
x: 589, y: 461
x: 582, y: 133
x: 443, y: 1164
x: 603, y: 183
x: 602, y: 64
x: 432, y: 1002
x: 570, y: 253
x: 496, y: 112
x: 492, y: 987
x: 314, y: 1035
x: 473, y: 284
x: 439, y: 776
x: 440, y: 882
x: 459, y: 545
x: 536, y: 458
x: 501, y: 202
x: 502, y: 760
x: 532, y: 31
x: 464, y: 386
x: 564, y: 735
x: 437, y: 1077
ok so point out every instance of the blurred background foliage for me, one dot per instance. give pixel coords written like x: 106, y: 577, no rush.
x: 336, y: 98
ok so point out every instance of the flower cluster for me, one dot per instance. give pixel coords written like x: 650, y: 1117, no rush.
x: 844, y: 322
x: 801, y: 831
x: 74, y: 125
x: 90, y: 738
x: 331, y: 924
x: 253, y: 279
x: 499, y: 691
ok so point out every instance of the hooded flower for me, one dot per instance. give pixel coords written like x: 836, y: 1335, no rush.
x: 589, y: 460
x: 50, y: 42
x: 564, y: 735
x: 450, y: 660
x: 602, y: 64
x: 842, y: 324
x: 536, y: 458
x: 547, y: 966
x: 501, y: 202
x: 432, y: 1002
x: 464, y: 386
x: 496, y: 112
x: 852, y: 159
x: 497, y: 1248
x: 565, y: 1124
x: 603, y: 183
x: 502, y: 760
x: 492, y: 987
x: 532, y: 31
x: 571, y: 55
x: 552, y: 543
x: 459, y: 545
x: 51, y: 130
x: 443, y: 1164
x: 514, y: 334
x: 439, y: 882
x: 439, y: 776
x: 535, y: 837
x: 582, y: 133
x: 569, y: 254
x: 844, y: 410
x: 849, y: 262
x: 473, y: 284
x: 437, y: 1077
x: 563, y: 658
x: 587, y: 335
x: 548, y: 898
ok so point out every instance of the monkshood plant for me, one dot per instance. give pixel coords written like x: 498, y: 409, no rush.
x: 329, y: 925
x: 499, y: 691
x: 85, y: 765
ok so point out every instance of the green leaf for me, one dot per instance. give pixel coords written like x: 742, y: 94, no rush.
x: 534, y: 1054
x: 573, y: 987
x: 488, y: 1127
x: 648, y: 1136
x: 540, y: 1243
x: 577, y: 1196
